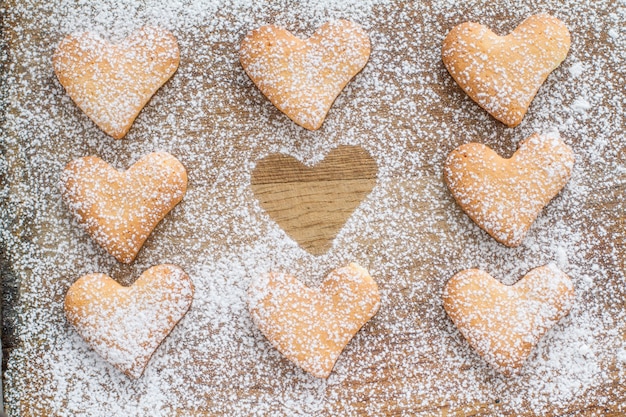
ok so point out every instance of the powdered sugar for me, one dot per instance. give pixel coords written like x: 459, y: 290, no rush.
x: 504, y: 196
x: 312, y: 327
x: 503, y: 73
x: 120, y: 210
x: 126, y: 325
x: 303, y: 78
x: 576, y: 69
x: 408, y: 113
x: 503, y: 323
x: 580, y: 105
x: 112, y: 83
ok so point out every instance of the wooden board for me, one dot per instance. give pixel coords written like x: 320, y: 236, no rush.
x: 406, y: 114
x: 313, y: 203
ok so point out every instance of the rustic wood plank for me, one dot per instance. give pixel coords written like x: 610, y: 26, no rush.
x: 311, y: 203
x: 344, y: 163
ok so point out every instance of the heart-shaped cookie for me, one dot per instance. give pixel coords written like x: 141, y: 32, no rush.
x: 125, y: 325
x: 505, y: 196
x: 503, y: 323
x: 111, y: 83
x: 503, y: 73
x: 311, y: 327
x: 120, y: 209
x: 302, y: 78
x: 313, y: 203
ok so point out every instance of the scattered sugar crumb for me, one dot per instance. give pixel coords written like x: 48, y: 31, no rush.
x: 576, y: 69
x: 580, y: 105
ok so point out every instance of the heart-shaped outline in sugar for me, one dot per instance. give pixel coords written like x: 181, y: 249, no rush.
x: 505, y: 196
x: 312, y: 203
x: 302, y: 78
x: 312, y: 326
x: 119, y: 210
x: 125, y: 325
x: 503, y: 73
x: 503, y: 323
x: 111, y: 83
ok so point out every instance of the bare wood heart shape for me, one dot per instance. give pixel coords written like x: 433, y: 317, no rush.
x: 311, y: 327
x: 112, y: 83
x: 503, y: 73
x: 119, y: 210
x: 503, y: 323
x: 302, y: 78
x: 505, y: 196
x: 125, y: 325
x: 312, y: 204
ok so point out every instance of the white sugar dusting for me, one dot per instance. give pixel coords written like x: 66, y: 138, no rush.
x: 580, y: 105
x: 407, y: 112
x: 576, y: 69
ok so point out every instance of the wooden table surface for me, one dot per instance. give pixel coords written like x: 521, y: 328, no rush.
x: 265, y: 194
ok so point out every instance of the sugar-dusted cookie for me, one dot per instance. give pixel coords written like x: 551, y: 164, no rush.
x: 111, y: 83
x: 312, y: 326
x: 503, y: 73
x: 125, y: 325
x: 120, y: 209
x: 503, y: 323
x: 303, y: 77
x: 505, y: 196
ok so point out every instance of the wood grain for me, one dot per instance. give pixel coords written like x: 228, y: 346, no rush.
x: 313, y: 203
x: 397, y: 364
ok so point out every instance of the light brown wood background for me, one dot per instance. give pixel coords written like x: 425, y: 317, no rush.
x: 313, y: 203
x: 405, y: 114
